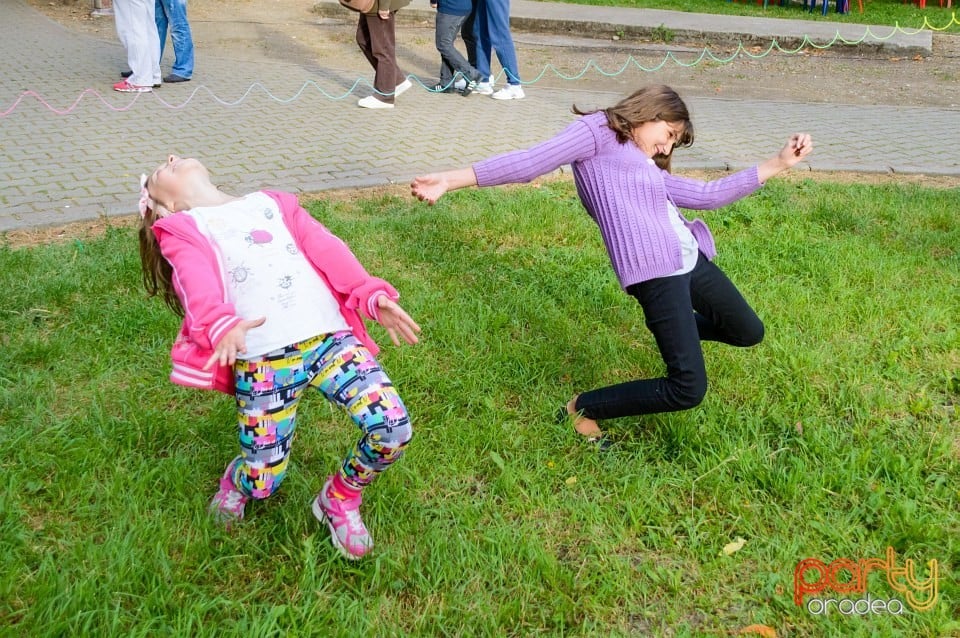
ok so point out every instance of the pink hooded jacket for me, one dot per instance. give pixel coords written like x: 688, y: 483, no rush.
x: 200, y: 284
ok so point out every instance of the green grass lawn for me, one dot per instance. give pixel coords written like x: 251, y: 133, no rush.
x: 835, y: 438
x: 878, y: 12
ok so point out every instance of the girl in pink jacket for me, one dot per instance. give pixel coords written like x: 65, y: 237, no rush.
x: 273, y: 304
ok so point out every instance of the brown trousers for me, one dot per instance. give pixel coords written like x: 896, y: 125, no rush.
x: 378, y: 42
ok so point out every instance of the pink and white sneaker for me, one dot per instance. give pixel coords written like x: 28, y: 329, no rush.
x: 342, y: 515
x: 124, y: 86
x: 228, y: 503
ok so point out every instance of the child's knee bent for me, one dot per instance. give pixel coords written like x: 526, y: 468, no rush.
x: 684, y: 394
x: 750, y: 335
x: 388, y: 442
x: 396, y: 436
x: 756, y: 336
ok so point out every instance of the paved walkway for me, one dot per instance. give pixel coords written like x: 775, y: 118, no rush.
x: 56, y: 169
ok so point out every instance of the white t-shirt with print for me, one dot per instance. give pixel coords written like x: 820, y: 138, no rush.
x: 688, y: 243
x: 266, y: 275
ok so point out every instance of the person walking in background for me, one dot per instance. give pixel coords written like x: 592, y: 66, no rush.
x: 137, y: 30
x: 492, y: 30
x: 451, y: 16
x: 272, y: 305
x: 377, y: 38
x: 621, y: 159
x: 469, y: 36
x: 173, y: 13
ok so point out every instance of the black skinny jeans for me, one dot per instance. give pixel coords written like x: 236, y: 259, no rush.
x: 680, y: 311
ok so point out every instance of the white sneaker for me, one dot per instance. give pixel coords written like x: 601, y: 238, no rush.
x: 371, y: 102
x: 509, y: 92
x: 484, y: 88
x: 402, y: 87
x: 459, y: 84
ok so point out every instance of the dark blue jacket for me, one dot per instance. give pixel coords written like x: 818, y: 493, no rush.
x: 455, y: 7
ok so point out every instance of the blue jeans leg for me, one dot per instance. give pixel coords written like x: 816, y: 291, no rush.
x: 500, y: 39
x: 173, y: 13
x: 161, y: 19
x: 481, y: 38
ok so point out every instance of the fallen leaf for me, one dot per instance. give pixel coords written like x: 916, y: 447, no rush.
x: 735, y: 546
x: 762, y: 630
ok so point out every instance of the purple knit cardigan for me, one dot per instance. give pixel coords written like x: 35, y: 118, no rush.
x: 625, y: 193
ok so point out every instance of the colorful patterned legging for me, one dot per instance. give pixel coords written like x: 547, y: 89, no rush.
x: 340, y: 367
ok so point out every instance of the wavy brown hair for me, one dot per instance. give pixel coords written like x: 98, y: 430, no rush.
x: 157, y: 271
x: 653, y: 103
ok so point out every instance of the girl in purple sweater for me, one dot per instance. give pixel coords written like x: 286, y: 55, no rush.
x: 621, y: 167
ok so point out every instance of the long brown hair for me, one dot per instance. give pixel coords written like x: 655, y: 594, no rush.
x: 656, y: 102
x: 157, y: 271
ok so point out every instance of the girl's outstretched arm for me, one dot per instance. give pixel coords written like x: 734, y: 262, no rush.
x: 574, y: 143
x: 429, y: 188
x: 796, y: 149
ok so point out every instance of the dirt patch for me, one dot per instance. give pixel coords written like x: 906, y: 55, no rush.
x: 78, y: 231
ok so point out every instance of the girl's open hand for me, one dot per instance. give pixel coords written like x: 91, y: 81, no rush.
x: 797, y: 148
x: 428, y: 188
x: 233, y: 343
x: 396, y: 321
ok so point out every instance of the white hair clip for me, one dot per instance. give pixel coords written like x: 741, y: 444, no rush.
x: 145, y: 202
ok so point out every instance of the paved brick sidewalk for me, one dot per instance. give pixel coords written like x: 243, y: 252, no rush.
x: 56, y: 169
